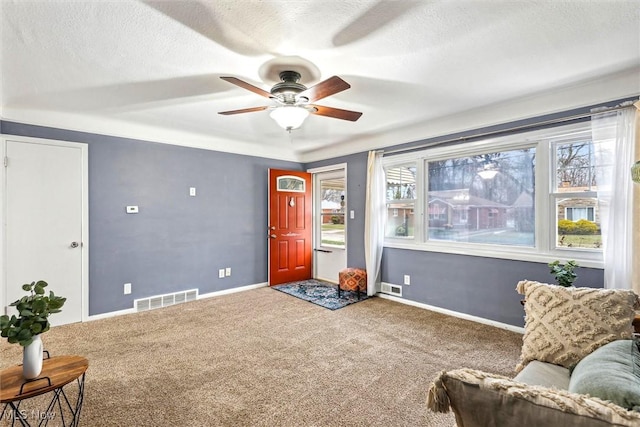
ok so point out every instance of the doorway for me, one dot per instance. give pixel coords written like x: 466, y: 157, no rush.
x: 46, y: 222
x: 290, y: 226
x: 330, y: 222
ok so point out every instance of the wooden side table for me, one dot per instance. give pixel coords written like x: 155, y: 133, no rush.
x: 56, y: 373
x: 636, y: 323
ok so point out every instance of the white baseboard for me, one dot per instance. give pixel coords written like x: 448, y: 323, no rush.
x: 454, y: 313
x: 233, y: 290
x: 208, y: 295
x: 110, y: 314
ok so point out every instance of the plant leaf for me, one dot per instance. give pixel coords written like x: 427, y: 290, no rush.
x: 27, y: 313
x: 24, y: 334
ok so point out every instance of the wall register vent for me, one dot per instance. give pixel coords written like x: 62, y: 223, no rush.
x: 390, y: 289
x: 159, y: 301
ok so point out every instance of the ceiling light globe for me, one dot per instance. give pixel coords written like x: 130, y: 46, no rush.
x: 289, y: 117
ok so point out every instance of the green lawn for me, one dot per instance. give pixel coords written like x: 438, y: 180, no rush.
x: 580, y: 241
x: 333, y: 234
x: 333, y: 242
x: 332, y: 227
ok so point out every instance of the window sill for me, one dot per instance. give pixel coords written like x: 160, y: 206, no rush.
x: 583, y: 258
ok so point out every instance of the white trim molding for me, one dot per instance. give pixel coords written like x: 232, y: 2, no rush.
x: 464, y: 316
x: 200, y: 296
x: 233, y: 290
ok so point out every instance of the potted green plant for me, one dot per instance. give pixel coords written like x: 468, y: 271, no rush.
x: 564, y: 274
x: 32, y: 320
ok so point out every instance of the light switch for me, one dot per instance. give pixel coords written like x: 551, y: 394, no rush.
x: 132, y: 209
x: 352, y: 214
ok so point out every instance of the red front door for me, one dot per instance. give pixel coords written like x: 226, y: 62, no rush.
x: 290, y: 229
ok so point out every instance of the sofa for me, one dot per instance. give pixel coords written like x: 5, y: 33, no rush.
x: 579, y: 366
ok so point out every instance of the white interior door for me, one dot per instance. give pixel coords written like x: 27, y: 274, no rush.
x: 45, y: 232
x: 330, y: 222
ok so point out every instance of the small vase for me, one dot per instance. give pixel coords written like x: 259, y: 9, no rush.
x: 32, y: 359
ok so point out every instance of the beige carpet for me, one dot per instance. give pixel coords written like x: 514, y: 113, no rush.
x: 264, y: 358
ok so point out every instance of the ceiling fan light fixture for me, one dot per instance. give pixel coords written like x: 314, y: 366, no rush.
x: 289, y: 117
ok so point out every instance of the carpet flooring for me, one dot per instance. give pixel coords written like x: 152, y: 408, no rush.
x: 262, y: 358
x: 321, y: 293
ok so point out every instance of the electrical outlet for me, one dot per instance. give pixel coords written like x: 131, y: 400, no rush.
x: 221, y: 273
x: 227, y: 271
x: 407, y: 279
x: 192, y: 191
x: 127, y: 288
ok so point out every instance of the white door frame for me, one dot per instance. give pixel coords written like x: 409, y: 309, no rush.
x: 314, y: 171
x: 85, y: 216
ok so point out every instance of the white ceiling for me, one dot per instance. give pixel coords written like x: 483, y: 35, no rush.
x: 150, y: 69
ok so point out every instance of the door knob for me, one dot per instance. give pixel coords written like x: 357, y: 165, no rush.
x: 75, y: 244
x: 273, y: 236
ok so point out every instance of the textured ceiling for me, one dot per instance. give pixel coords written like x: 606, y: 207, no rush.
x: 150, y: 69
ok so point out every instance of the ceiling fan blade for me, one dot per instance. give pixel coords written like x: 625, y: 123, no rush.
x: 331, y: 86
x: 247, y: 86
x: 244, y: 110
x: 336, y: 113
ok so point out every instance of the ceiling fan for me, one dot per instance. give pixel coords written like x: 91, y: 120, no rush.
x: 294, y: 101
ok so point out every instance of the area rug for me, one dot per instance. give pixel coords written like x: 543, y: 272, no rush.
x: 322, y: 293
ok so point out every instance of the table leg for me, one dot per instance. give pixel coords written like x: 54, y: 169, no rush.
x: 60, y: 400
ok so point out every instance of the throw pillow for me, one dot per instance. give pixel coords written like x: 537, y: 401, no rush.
x: 544, y: 374
x: 483, y: 399
x: 612, y: 373
x: 563, y: 325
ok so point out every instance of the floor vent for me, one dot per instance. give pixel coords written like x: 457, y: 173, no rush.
x: 390, y: 289
x: 165, y: 300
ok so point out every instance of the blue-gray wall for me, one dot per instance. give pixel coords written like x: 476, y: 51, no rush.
x: 478, y: 286
x: 483, y: 287
x: 356, y: 195
x: 176, y: 242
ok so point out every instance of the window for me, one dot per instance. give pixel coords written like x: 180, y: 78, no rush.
x: 484, y: 198
x: 576, y: 213
x: 332, y: 208
x: 291, y: 184
x: 574, y: 191
x: 401, y: 198
x: 530, y: 196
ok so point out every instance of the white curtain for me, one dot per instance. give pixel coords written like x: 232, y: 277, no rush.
x: 613, y: 135
x: 374, y: 220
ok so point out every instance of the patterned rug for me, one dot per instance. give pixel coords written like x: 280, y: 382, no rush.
x: 322, y: 293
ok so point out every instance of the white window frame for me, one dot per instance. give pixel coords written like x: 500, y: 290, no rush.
x: 417, y: 215
x: 544, y: 249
